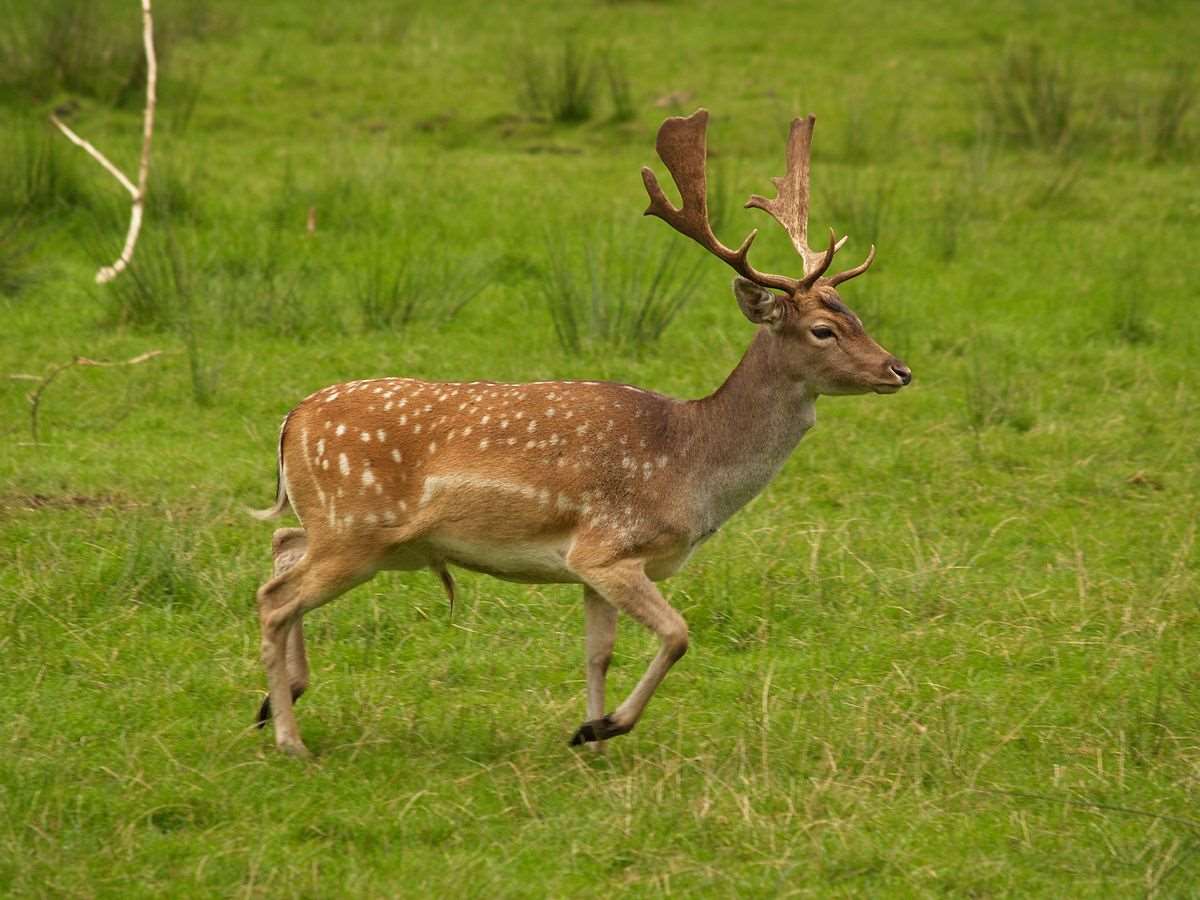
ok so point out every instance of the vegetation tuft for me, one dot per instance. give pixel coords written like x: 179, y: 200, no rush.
x: 89, y: 48
x: 402, y: 283
x: 39, y: 172
x: 564, y: 87
x: 615, y: 288
x: 1166, y: 112
x: 1033, y: 98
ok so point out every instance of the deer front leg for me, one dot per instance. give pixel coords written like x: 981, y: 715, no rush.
x: 626, y: 586
x: 600, y: 633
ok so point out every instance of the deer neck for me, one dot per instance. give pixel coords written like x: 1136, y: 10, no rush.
x: 742, y: 434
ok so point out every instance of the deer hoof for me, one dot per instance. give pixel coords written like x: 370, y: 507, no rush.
x: 294, y: 749
x: 597, y: 730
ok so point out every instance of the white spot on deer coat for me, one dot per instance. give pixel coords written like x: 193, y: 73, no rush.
x: 343, y: 464
x: 341, y: 429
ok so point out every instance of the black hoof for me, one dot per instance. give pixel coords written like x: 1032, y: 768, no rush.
x: 264, y: 711
x: 596, y: 730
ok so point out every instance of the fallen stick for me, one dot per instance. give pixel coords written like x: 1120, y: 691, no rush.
x: 44, y: 381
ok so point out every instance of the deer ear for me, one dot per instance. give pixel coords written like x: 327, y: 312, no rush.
x: 759, y: 305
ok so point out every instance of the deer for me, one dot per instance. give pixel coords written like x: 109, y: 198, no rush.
x: 605, y: 485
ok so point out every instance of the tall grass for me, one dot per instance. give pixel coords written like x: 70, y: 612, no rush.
x: 951, y: 208
x: 858, y: 202
x: 995, y: 391
x: 1055, y: 184
x: 88, y: 48
x: 616, y: 288
x: 400, y: 283
x: 868, y: 133
x: 559, y: 87
x: 384, y: 23
x: 39, y: 171
x: 1165, y: 112
x: 165, y: 288
x: 1121, y: 286
x: 564, y: 86
x: 957, y: 199
x: 17, y: 264
x: 1032, y: 97
x: 620, y: 87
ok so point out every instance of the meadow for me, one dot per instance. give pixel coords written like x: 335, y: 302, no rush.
x: 951, y: 650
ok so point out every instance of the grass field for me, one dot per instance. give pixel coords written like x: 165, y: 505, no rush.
x: 951, y: 650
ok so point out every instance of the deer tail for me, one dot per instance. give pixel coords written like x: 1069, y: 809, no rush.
x: 282, y: 503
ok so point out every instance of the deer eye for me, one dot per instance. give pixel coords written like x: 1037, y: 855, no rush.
x: 822, y: 332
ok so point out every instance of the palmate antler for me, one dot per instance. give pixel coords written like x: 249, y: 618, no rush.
x: 681, y: 145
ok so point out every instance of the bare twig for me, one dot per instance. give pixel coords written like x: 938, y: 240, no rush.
x: 138, y: 192
x: 44, y: 381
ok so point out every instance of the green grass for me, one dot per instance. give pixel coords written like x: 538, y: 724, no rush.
x: 952, y: 650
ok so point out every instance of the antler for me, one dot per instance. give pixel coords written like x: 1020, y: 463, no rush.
x: 790, y: 207
x: 681, y: 146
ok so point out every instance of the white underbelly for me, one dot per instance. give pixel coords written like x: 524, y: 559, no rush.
x: 536, y: 562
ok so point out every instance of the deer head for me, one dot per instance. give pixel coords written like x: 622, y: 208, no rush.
x: 816, y: 339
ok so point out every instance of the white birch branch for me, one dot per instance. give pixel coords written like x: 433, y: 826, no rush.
x: 138, y: 192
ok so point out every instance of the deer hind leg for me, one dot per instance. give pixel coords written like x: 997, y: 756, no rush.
x: 312, y: 581
x: 288, y: 546
x: 626, y: 586
x: 600, y: 633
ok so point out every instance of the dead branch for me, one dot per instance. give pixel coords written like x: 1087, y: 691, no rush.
x: 138, y: 192
x: 44, y: 381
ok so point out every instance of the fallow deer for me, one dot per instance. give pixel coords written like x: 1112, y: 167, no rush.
x: 594, y: 483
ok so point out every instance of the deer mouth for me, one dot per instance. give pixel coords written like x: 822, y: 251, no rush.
x: 887, y: 387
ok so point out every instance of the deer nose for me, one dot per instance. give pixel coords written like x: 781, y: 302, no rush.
x: 901, y: 371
